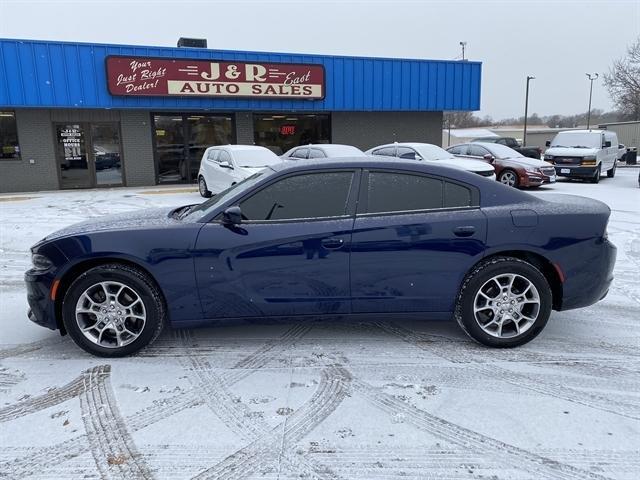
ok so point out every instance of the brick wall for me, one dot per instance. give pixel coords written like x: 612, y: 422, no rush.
x: 368, y: 129
x: 36, y: 139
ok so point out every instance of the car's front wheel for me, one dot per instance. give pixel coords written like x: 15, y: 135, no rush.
x: 113, y: 310
x: 504, y: 302
x: 596, y: 175
x: 202, y: 187
x: 509, y: 177
x: 612, y: 171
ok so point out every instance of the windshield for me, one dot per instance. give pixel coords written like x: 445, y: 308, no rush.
x: 502, y: 151
x: 577, y: 140
x: 432, y: 152
x: 199, y: 211
x: 255, y: 158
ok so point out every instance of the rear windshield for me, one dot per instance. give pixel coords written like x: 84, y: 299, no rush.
x: 577, y: 140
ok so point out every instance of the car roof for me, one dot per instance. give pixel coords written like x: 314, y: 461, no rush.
x: 582, y: 132
x: 236, y: 148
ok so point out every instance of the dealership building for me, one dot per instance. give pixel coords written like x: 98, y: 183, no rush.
x: 82, y: 115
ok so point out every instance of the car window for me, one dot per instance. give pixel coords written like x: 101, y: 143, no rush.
x: 213, y: 154
x: 398, y: 192
x: 502, y: 141
x: 300, y: 153
x: 387, y: 151
x: 406, y: 152
x: 313, y: 195
x: 456, y: 195
x: 224, y: 157
x: 458, y: 150
x: 477, y: 151
x: 316, y: 153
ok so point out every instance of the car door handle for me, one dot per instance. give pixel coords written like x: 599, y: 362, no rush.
x: 332, y: 243
x: 464, y: 231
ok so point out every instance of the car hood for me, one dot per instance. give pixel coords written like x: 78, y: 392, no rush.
x: 570, y: 152
x: 154, y: 217
x: 526, y: 161
x: 466, y: 164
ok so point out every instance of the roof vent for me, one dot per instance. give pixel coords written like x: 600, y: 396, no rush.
x: 192, y: 42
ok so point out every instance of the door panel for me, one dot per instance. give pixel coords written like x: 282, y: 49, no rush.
x: 413, y: 262
x: 274, y: 269
x: 71, y: 147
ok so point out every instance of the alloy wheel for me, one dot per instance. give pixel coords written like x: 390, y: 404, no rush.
x: 508, y: 178
x: 506, y: 305
x: 110, y: 314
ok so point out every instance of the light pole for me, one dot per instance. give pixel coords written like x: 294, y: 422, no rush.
x: 526, y: 111
x: 463, y: 45
x: 591, y: 79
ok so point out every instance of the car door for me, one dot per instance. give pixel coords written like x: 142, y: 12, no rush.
x: 415, y: 237
x: 290, y: 256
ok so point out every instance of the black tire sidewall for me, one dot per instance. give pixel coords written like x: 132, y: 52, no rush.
x: 465, y: 313
x: 206, y: 193
x: 130, y: 277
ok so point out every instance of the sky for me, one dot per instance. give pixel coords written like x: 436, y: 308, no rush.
x: 555, y: 41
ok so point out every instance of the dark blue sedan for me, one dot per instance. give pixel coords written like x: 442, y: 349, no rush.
x: 348, y: 237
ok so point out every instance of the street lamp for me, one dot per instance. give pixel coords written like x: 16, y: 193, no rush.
x: 526, y: 111
x: 591, y: 79
x: 463, y: 45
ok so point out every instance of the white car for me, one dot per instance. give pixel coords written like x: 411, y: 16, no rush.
x: 322, y: 150
x: 433, y: 153
x: 226, y: 165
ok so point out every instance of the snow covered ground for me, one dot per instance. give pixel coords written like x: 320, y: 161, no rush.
x: 324, y: 399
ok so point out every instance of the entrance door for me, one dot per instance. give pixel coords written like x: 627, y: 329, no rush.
x: 88, y: 154
x: 180, y: 141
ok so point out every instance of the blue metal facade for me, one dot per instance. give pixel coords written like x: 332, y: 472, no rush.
x: 73, y: 75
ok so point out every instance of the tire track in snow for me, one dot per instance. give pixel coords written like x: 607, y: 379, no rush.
x: 214, y: 391
x: 111, y: 445
x: 332, y: 389
x: 49, y: 457
x: 536, y: 384
x: 516, y: 457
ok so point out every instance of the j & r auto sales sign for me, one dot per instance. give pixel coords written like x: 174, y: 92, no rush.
x: 134, y: 76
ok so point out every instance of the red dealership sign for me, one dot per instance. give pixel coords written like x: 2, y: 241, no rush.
x: 135, y: 76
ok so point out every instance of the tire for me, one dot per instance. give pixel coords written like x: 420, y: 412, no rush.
x: 482, y: 326
x: 596, y: 176
x: 202, y: 187
x: 509, y: 177
x: 137, y: 310
x: 612, y: 171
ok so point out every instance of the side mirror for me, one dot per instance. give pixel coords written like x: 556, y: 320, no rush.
x: 547, y: 143
x: 489, y: 158
x: 607, y: 144
x: 232, y: 216
x: 225, y: 164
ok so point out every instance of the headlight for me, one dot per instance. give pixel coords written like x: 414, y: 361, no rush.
x: 589, y: 157
x: 40, y: 262
x: 531, y: 170
x: 548, y: 157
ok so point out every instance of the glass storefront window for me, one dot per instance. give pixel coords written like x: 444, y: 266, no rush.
x: 280, y: 133
x: 9, y: 147
x: 180, y: 142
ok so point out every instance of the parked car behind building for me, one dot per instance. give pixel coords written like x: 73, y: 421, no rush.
x: 512, y: 168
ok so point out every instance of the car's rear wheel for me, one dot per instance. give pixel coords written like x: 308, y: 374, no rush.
x: 612, y: 171
x: 509, y: 177
x: 202, y: 187
x: 504, y: 302
x: 113, y: 310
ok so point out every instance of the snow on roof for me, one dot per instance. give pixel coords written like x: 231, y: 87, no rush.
x: 472, y: 132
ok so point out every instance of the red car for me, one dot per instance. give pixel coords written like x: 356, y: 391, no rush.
x: 512, y: 168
